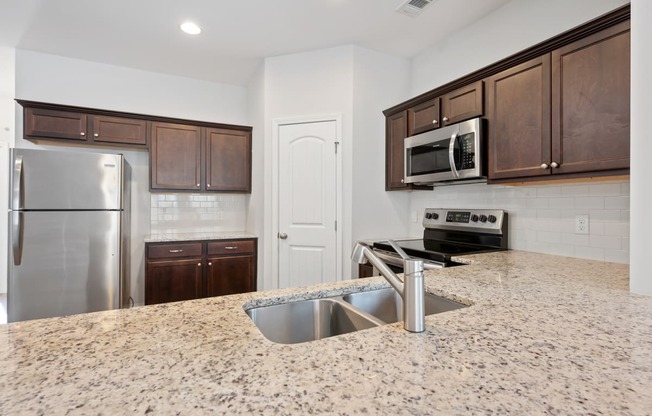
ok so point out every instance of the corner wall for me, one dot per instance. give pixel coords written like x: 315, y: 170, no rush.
x: 641, y: 148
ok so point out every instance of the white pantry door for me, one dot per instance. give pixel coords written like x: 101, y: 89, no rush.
x: 307, y: 203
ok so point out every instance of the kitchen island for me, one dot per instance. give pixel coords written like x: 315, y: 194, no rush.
x: 543, y: 335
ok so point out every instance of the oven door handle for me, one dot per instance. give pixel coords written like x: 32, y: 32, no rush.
x: 451, y: 155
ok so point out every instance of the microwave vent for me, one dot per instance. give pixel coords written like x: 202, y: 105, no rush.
x: 413, y: 8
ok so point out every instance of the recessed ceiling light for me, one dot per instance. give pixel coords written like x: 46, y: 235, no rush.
x: 190, y: 28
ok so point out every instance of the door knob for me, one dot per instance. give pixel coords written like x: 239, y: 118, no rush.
x: 282, y: 236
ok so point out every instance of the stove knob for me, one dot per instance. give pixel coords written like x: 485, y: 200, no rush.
x: 483, y: 218
x: 428, y: 215
x: 492, y: 218
x: 474, y: 218
x: 435, y: 216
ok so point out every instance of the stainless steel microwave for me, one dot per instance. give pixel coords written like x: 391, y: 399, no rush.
x: 449, y: 154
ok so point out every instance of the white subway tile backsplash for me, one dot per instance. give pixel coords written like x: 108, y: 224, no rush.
x: 616, y: 202
x: 575, y: 190
x: 605, y: 189
x: 606, y: 241
x: 591, y: 253
x: 542, y: 217
x: 197, y: 213
x: 589, y: 202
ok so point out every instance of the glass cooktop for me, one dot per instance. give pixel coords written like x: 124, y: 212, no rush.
x: 433, y: 249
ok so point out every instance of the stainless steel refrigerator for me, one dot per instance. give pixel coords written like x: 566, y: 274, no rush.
x: 68, y: 233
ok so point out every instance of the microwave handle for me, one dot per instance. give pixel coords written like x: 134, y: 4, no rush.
x: 451, y: 155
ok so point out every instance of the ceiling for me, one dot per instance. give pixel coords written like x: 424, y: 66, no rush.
x: 237, y: 34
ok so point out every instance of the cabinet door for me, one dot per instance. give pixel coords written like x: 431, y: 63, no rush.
x: 230, y: 275
x: 423, y: 117
x: 54, y: 124
x: 518, y: 117
x: 228, y: 160
x: 119, y: 130
x: 462, y: 104
x: 396, y: 131
x: 590, y: 98
x: 174, y: 280
x: 175, y: 157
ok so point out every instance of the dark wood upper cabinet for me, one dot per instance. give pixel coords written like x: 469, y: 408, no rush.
x: 462, y: 104
x: 396, y: 131
x: 518, y: 114
x: 175, y: 157
x: 40, y: 123
x: 228, y: 160
x: 591, y: 102
x: 107, y: 129
x: 423, y: 117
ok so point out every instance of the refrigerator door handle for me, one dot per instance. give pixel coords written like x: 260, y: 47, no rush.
x: 17, y: 237
x: 17, y: 195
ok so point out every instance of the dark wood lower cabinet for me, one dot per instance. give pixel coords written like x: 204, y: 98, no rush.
x: 365, y: 270
x: 173, y: 280
x: 230, y: 275
x: 192, y: 270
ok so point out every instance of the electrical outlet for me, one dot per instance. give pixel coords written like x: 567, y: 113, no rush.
x: 581, y: 224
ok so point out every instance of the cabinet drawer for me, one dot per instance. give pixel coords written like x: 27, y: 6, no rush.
x: 173, y: 250
x: 231, y: 247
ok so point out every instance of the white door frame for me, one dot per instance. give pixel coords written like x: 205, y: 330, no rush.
x: 277, y: 123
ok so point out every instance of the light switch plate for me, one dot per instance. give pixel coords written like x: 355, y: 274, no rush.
x: 220, y: 215
x: 581, y: 224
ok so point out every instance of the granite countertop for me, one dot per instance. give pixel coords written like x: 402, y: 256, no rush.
x: 543, y: 335
x: 170, y: 237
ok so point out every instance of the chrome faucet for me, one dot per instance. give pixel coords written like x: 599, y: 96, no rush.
x: 411, y: 288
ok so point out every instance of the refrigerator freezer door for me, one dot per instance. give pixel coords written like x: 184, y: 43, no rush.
x: 54, y: 180
x: 70, y: 263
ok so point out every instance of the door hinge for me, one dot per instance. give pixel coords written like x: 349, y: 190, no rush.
x: 336, y: 144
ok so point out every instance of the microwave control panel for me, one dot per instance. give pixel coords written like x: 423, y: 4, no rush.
x: 467, y: 144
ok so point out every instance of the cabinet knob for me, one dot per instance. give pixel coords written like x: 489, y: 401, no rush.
x: 198, y: 264
x: 445, y: 118
x: 210, y: 264
x: 434, y: 121
x: 544, y: 166
x: 96, y: 135
x: 82, y: 134
x: 208, y: 185
x: 198, y: 185
x: 554, y: 165
x: 402, y: 180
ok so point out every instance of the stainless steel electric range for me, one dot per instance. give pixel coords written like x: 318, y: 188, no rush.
x: 448, y: 233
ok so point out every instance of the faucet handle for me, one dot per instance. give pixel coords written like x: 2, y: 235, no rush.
x: 399, y: 250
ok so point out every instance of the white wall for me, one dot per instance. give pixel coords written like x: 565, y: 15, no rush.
x: 309, y: 84
x: 258, y: 213
x: 542, y: 216
x: 7, y: 132
x: 379, y: 81
x: 517, y: 25
x: 641, y: 147
x: 55, y: 79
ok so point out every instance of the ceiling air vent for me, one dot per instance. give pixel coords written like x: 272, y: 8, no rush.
x: 413, y: 8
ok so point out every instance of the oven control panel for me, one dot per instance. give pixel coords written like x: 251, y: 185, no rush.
x: 486, y: 220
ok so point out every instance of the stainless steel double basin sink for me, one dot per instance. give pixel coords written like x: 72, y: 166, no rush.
x: 313, y: 319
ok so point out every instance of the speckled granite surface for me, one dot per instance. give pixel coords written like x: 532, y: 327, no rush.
x: 160, y: 238
x: 544, y: 335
